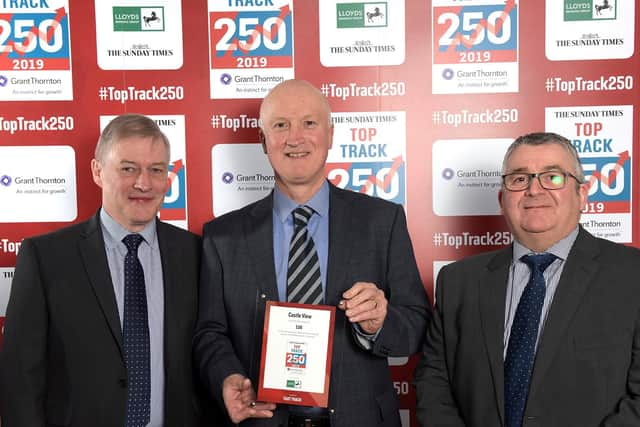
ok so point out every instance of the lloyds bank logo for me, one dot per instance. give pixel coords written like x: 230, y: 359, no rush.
x: 361, y: 15
x: 589, y: 10
x: 135, y: 18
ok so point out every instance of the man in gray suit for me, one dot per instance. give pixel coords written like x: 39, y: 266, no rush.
x: 545, y: 332
x: 365, y: 266
x: 86, y: 343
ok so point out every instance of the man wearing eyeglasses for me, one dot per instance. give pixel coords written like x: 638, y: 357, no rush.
x: 545, y: 332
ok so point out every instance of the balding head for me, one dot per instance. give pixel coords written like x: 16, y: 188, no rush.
x: 301, y: 88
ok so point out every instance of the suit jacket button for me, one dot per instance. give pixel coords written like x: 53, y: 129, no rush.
x: 122, y: 382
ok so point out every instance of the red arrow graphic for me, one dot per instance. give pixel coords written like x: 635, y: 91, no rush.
x: 609, y: 180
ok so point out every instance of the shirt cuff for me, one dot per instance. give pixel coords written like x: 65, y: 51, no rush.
x: 364, y: 339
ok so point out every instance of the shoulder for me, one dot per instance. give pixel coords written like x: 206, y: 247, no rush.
x: 62, y: 236
x: 171, y: 232
x: 608, y: 251
x: 359, y: 202
x: 478, y: 263
x: 233, y: 221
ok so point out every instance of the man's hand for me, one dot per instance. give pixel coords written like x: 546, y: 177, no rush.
x: 240, y: 400
x: 366, y: 305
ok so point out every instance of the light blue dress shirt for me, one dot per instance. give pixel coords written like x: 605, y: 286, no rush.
x: 149, y: 255
x: 318, y: 230
x: 519, y: 277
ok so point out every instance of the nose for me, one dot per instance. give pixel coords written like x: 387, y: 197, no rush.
x: 535, y: 187
x: 143, y: 180
x: 296, y: 134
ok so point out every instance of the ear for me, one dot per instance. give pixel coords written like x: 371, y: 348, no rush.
x: 500, y: 200
x: 96, y: 172
x: 263, y: 141
x: 331, y: 136
x: 583, y: 193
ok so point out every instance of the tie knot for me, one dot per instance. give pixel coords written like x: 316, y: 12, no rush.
x: 538, y: 262
x: 132, y: 241
x: 301, y: 215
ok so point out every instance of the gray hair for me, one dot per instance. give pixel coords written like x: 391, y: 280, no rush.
x: 126, y: 126
x: 543, y: 138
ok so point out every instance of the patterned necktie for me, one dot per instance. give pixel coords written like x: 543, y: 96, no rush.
x: 136, y: 337
x: 518, y: 363
x: 304, y: 284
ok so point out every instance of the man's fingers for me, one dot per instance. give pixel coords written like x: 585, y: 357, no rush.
x: 358, y: 288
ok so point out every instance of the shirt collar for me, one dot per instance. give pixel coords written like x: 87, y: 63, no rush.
x: 283, y: 205
x: 114, y: 232
x: 560, y: 249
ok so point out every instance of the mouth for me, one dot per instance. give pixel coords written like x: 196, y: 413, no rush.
x: 536, y: 207
x: 297, y: 155
x: 141, y: 200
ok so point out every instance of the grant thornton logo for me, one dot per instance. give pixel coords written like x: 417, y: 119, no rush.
x: 225, y: 79
x: 5, y: 180
x: 227, y: 177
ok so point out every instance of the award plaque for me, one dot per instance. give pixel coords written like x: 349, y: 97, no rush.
x: 297, y: 344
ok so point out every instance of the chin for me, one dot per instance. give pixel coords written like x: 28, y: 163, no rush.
x: 537, y: 229
x: 142, y: 217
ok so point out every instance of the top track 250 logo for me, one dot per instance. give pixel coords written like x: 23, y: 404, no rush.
x: 34, y: 41
x: 251, y: 39
x: 475, y: 33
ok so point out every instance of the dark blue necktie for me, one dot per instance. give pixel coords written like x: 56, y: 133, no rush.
x: 136, y: 337
x: 518, y: 363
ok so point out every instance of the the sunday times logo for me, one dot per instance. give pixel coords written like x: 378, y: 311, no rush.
x: 590, y: 39
x: 361, y: 15
x: 134, y: 18
x: 589, y: 10
x: 140, y: 50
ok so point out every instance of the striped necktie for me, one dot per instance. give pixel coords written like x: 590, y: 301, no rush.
x: 304, y: 283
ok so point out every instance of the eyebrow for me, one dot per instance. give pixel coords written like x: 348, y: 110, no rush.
x: 131, y: 162
x: 544, y: 169
x: 289, y: 119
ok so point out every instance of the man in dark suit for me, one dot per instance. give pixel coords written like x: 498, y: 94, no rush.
x: 545, y: 332
x: 68, y: 352
x: 365, y: 265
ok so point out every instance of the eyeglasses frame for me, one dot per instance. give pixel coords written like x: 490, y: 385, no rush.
x: 537, y: 175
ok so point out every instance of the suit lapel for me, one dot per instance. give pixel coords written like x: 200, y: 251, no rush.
x: 258, y: 227
x: 94, y: 257
x: 576, y: 277
x: 340, y: 231
x: 493, y: 286
x: 169, y: 258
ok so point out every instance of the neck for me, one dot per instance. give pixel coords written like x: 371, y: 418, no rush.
x: 300, y: 194
x: 536, y: 245
x: 540, y: 242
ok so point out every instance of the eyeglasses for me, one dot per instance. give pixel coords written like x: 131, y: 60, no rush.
x: 549, y: 180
